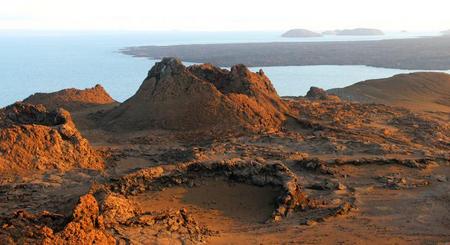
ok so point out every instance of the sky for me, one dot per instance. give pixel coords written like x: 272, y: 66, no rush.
x: 230, y: 15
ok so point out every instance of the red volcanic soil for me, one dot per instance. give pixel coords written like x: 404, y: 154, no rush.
x: 72, y: 99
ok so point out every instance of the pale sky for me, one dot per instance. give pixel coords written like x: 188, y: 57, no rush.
x: 230, y: 15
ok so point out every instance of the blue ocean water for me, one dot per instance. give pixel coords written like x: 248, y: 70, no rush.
x: 33, y: 62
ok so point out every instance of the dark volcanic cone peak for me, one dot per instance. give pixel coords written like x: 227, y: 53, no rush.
x: 167, y: 66
x: 237, y: 80
x: 200, y: 97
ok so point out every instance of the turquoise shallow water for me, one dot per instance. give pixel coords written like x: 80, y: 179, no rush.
x: 45, y: 62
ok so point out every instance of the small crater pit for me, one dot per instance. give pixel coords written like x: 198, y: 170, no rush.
x: 215, y: 203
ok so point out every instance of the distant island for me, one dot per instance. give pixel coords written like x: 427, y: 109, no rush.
x: 355, y: 32
x: 301, y: 33
x: 344, y: 32
x: 434, y: 53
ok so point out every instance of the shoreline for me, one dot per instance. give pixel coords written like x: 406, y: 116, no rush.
x: 392, y: 53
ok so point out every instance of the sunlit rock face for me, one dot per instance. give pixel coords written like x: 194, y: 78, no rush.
x: 201, y: 97
x: 34, y: 139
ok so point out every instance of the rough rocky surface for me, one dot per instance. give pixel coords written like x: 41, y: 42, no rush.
x: 300, y: 33
x: 34, y: 139
x: 255, y: 173
x: 171, y: 225
x: 85, y: 226
x: 200, y: 98
x: 316, y: 93
x: 72, y: 99
x: 352, y: 128
x: 421, y: 91
x: 334, y: 171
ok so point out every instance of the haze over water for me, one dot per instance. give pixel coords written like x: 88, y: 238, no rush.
x: 50, y: 61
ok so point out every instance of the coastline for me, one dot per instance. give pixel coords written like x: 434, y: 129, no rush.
x: 393, y: 53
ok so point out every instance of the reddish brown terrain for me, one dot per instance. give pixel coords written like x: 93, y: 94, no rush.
x: 199, y: 98
x: 34, y: 139
x: 72, y: 99
x: 421, y: 91
x: 206, y: 155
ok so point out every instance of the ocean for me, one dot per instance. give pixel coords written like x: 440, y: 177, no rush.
x: 49, y: 61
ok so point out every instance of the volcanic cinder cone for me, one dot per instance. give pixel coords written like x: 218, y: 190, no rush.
x: 200, y: 97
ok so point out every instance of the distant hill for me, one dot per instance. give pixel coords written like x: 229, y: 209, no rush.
x: 421, y: 91
x: 447, y: 32
x: 355, y: 32
x: 72, y: 99
x: 301, y: 33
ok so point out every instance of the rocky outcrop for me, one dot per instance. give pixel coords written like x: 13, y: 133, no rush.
x: 117, y: 209
x: 301, y: 33
x: 200, y: 98
x: 72, y: 99
x: 32, y: 138
x: 316, y: 93
x: 85, y: 226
